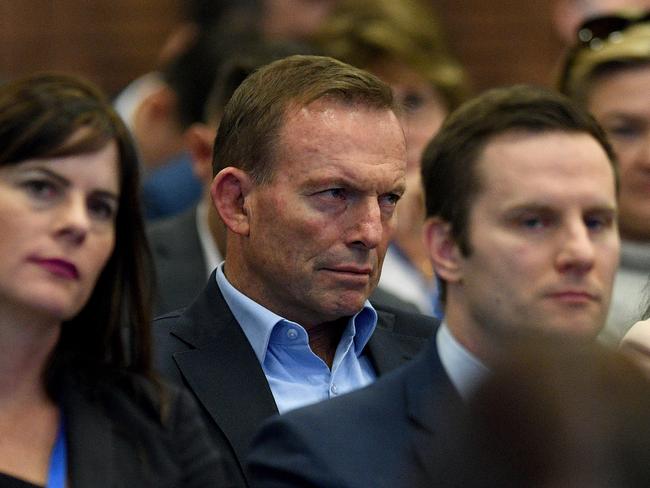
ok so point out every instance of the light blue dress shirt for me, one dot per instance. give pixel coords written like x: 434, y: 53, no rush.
x: 297, y: 376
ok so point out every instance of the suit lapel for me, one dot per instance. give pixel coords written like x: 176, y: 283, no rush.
x: 90, y: 442
x: 388, y: 349
x: 222, y: 370
x: 434, y: 409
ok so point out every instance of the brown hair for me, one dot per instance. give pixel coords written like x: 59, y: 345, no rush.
x: 38, y: 116
x: 252, y: 120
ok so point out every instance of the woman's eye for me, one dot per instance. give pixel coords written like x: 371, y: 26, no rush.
x: 624, y: 131
x: 102, y: 209
x: 41, y: 189
x: 412, y: 101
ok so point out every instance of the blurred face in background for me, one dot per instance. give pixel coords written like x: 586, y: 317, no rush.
x: 621, y: 103
x: 294, y: 19
x: 424, y: 107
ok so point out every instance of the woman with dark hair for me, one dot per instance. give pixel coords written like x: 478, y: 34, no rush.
x: 79, y: 404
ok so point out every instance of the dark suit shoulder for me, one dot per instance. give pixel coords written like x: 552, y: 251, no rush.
x: 349, y: 441
x: 407, y: 322
x: 163, y: 228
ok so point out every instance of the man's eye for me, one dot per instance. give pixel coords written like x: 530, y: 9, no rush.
x: 598, y: 223
x: 335, y: 193
x: 412, y: 101
x: 625, y: 131
x: 41, y: 189
x: 533, y: 223
x: 390, y: 200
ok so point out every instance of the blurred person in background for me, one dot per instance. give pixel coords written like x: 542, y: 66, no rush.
x: 568, y: 15
x: 161, y: 118
x: 608, y: 73
x: 553, y: 415
x: 79, y: 403
x: 636, y: 341
x: 402, y: 43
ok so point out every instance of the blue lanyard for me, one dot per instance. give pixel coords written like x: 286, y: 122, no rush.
x: 56, y: 476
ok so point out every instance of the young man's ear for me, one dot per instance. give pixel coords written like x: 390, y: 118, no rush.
x: 199, y: 140
x: 228, y: 191
x: 443, y: 251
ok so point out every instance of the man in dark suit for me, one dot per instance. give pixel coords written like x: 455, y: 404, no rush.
x: 521, y: 202
x: 310, y: 162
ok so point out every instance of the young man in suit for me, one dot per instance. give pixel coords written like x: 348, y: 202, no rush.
x: 521, y: 199
x: 309, y: 163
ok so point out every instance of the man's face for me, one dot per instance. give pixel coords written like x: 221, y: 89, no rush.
x: 543, y: 237
x: 319, y: 230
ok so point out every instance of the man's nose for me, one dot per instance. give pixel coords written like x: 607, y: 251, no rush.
x: 576, y: 251
x: 366, y: 226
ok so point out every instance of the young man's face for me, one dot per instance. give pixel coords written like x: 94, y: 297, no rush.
x: 543, y: 237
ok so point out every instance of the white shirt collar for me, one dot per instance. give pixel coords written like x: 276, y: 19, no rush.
x: 463, y: 368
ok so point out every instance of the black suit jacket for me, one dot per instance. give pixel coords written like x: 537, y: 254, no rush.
x: 393, y: 433
x: 179, y: 262
x: 204, y: 348
x: 115, y: 437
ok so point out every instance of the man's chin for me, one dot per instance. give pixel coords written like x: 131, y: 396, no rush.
x: 347, y: 304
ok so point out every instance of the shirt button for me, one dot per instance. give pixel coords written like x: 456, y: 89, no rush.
x: 292, y: 334
x: 334, y: 389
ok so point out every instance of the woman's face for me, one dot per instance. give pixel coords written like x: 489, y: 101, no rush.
x: 621, y: 104
x: 424, y: 107
x: 57, y: 230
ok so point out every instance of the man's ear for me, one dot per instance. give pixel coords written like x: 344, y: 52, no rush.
x: 443, y: 251
x: 199, y: 139
x: 229, y: 190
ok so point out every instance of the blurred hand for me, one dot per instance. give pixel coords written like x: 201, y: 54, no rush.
x: 636, y: 344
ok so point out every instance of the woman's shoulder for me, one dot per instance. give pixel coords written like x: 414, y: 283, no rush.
x: 132, y: 397
x: 150, y: 420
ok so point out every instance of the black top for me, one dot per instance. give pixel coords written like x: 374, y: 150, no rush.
x: 7, y: 481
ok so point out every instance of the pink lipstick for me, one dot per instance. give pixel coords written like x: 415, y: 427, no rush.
x: 58, y: 267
